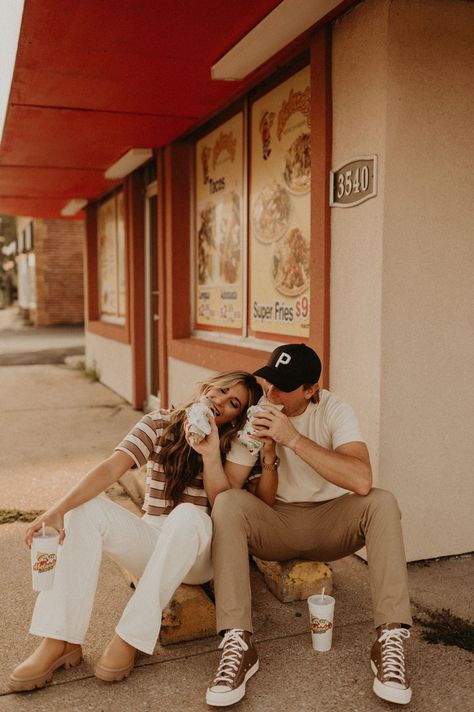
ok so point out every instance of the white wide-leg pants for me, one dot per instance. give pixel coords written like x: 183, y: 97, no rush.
x: 162, y: 551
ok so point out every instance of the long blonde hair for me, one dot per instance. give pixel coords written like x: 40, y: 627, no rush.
x: 181, y: 464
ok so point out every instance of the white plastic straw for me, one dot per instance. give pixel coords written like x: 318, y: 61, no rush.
x: 43, y: 530
x: 322, y: 595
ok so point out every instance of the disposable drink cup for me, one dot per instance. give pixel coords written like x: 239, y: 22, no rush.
x: 321, y: 618
x: 44, y: 549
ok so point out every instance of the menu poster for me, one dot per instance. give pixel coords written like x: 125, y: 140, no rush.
x: 280, y: 209
x: 111, y: 244
x: 219, y: 164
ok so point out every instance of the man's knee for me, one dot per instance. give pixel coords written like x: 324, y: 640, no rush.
x: 383, y: 501
x: 230, y: 503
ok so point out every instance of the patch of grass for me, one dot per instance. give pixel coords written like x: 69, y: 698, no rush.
x: 442, y: 626
x: 92, y: 372
x: 18, y: 515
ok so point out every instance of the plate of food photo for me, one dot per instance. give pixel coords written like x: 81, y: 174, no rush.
x: 290, y: 267
x: 297, y: 172
x: 271, y: 212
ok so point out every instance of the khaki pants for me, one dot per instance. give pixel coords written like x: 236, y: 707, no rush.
x: 323, y: 531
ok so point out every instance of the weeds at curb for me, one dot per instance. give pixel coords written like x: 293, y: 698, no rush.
x: 17, y: 515
x: 442, y: 626
x: 92, y: 373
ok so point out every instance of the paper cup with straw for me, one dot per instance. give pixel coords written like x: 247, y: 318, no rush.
x: 321, y: 617
x: 44, y: 550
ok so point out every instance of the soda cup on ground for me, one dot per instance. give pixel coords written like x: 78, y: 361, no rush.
x: 321, y: 617
x: 44, y: 551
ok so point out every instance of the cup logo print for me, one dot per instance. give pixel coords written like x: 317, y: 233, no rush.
x: 320, y: 625
x: 44, y: 562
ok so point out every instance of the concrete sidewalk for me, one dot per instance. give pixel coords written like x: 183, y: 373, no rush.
x: 23, y: 344
x: 54, y: 425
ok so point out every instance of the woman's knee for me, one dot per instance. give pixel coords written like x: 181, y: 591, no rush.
x: 188, y: 517
x: 92, y: 513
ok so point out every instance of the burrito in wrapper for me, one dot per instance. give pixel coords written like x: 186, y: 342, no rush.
x: 246, y: 435
x: 197, y: 424
x: 248, y: 432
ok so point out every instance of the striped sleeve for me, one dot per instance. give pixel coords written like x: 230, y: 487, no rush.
x: 141, y: 441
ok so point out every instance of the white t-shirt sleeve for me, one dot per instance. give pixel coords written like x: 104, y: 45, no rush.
x: 240, y: 455
x: 343, y: 424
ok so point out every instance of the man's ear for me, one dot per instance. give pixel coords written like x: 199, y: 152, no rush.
x: 311, y: 391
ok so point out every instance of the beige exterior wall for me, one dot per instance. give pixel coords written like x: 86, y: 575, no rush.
x: 113, y: 362
x: 402, y: 263
x: 182, y: 378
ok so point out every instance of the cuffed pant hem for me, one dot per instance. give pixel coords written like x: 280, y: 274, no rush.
x: 74, y: 639
x: 229, y: 624
x: 138, y: 644
x: 403, y: 620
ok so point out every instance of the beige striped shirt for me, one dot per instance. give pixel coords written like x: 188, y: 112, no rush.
x: 143, y: 444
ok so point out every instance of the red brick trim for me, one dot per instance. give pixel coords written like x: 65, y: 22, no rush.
x: 321, y: 153
x: 216, y: 357
x: 135, y: 213
x: 116, y: 332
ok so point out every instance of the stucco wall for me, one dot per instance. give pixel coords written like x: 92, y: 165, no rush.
x: 427, y: 334
x: 112, y: 360
x: 401, y: 317
x: 359, y: 72
x: 182, y: 380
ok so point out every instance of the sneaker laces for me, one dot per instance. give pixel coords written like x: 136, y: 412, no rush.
x: 233, y: 645
x: 393, y: 656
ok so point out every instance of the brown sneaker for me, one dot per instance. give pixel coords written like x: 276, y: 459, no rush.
x: 387, y: 661
x: 238, y: 663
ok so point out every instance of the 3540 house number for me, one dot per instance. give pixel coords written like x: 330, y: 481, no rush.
x: 354, y: 182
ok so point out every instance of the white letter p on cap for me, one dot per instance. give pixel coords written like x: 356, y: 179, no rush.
x: 283, y: 359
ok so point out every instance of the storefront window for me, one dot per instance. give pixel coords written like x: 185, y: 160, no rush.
x: 111, y: 258
x: 252, y: 249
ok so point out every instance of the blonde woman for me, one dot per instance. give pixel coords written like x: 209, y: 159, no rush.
x: 169, y: 545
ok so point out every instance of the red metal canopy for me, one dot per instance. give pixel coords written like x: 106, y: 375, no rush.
x: 94, y: 78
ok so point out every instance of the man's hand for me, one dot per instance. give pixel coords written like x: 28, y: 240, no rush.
x: 275, y: 425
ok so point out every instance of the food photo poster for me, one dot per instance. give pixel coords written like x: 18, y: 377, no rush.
x: 280, y: 209
x: 219, y: 166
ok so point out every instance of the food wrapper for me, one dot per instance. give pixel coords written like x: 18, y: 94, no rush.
x: 197, y: 425
x: 247, y: 434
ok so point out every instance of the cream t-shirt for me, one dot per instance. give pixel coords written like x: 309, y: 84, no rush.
x: 329, y: 423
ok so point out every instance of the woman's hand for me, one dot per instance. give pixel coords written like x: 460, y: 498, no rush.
x: 210, y: 446
x: 52, y: 518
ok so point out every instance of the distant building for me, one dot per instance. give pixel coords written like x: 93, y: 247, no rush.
x: 50, y: 270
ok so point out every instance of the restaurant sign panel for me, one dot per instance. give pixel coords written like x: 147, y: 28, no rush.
x: 219, y: 219
x: 280, y: 209
x: 354, y: 182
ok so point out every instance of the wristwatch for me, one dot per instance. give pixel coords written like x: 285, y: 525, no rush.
x: 271, y: 466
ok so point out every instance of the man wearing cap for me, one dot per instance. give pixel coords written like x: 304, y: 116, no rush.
x: 315, y: 501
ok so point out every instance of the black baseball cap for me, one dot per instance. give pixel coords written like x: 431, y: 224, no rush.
x: 291, y: 366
